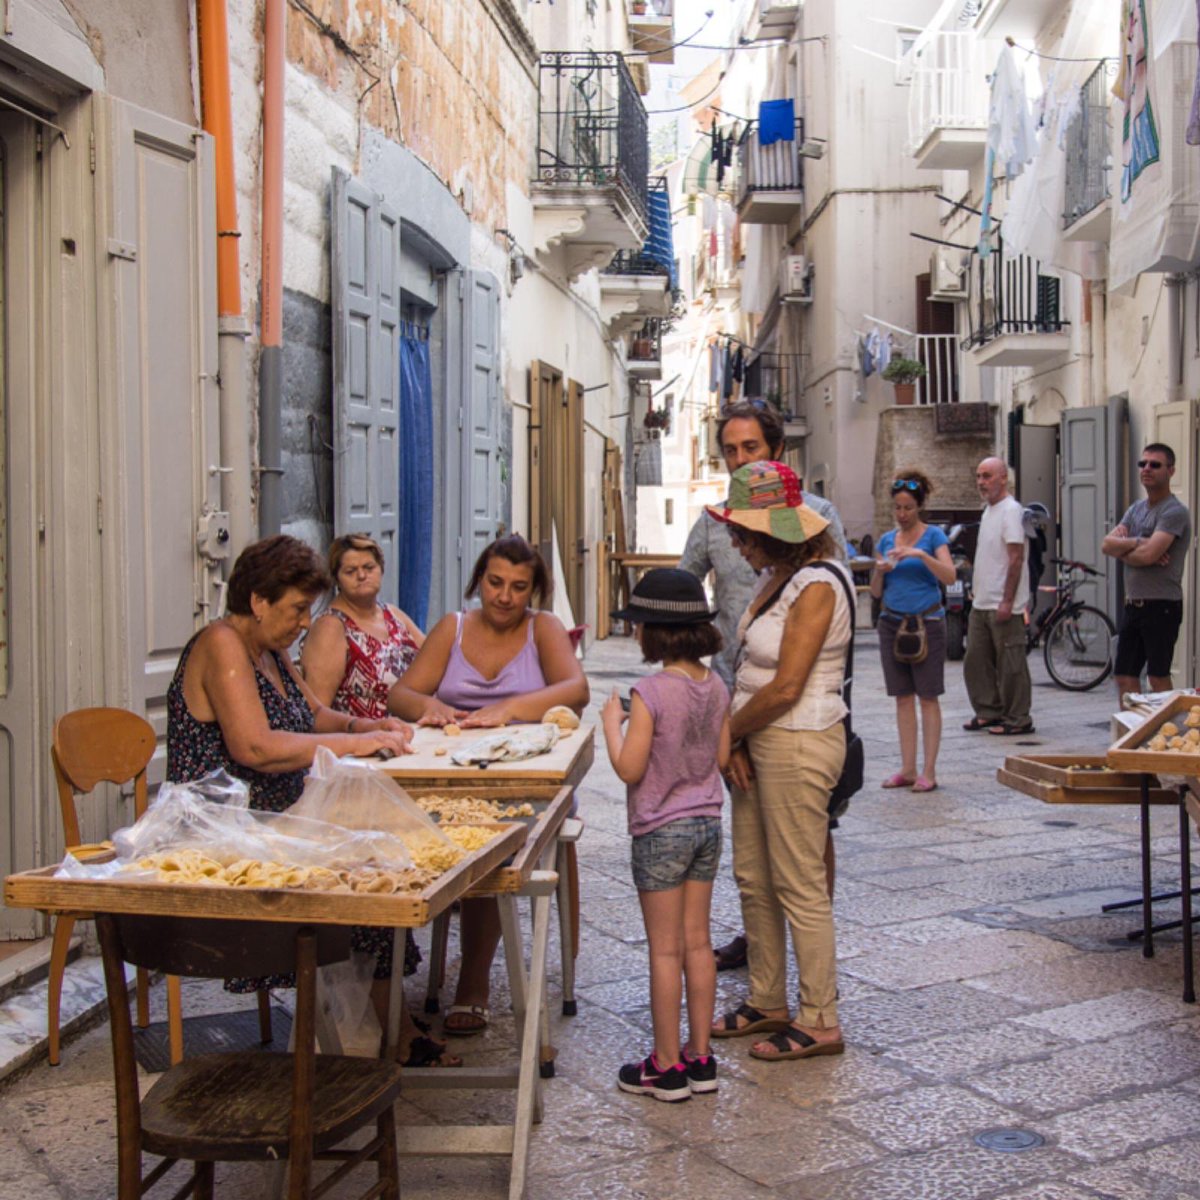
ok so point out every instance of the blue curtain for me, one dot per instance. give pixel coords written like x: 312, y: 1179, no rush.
x: 415, y: 535
x: 659, y: 246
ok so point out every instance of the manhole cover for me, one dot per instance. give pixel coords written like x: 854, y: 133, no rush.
x: 1060, y: 824
x: 1010, y: 1141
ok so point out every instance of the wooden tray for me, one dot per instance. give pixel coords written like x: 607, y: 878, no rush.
x: 39, y: 889
x: 1127, y: 753
x: 551, y: 807
x: 568, y: 762
x: 1085, y: 772
x: 1050, y: 793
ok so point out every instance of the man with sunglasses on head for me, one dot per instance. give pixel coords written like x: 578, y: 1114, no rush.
x: 748, y: 431
x: 1151, y: 543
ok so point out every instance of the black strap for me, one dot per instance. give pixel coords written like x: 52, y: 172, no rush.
x: 846, y: 587
x: 770, y: 601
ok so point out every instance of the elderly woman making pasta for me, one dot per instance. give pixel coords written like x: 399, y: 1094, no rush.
x: 503, y: 662
x: 790, y: 746
x: 237, y: 702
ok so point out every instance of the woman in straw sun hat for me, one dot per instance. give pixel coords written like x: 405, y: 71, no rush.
x: 789, y: 747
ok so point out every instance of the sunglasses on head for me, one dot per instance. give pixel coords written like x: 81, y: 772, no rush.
x: 910, y: 485
x: 758, y: 404
x: 1150, y: 464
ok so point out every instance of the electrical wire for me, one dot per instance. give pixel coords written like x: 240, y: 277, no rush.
x: 673, y: 45
x: 1054, y: 57
x: 654, y: 112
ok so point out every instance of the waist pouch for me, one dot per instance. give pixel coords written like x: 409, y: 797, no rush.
x: 911, y: 644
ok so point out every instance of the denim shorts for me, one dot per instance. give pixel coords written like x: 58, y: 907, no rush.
x: 668, y: 856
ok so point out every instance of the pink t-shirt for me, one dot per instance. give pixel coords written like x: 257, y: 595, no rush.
x: 682, y: 778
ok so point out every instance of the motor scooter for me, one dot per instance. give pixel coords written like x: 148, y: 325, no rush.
x: 958, y: 595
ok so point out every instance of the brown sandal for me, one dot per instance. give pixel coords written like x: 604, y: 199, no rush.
x: 756, y: 1022
x: 793, y: 1043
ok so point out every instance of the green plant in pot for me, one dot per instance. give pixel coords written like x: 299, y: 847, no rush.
x: 903, y: 374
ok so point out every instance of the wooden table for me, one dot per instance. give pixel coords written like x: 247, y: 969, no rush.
x: 614, y: 581
x: 547, y: 781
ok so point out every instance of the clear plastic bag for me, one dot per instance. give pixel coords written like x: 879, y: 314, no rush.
x: 181, y: 817
x: 350, y: 793
x: 345, y: 994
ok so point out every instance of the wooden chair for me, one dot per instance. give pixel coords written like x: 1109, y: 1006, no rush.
x: 109, y: 745
x: 92, y: 746
x: 244, y: 1106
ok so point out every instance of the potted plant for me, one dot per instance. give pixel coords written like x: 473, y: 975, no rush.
x: 903, y: 374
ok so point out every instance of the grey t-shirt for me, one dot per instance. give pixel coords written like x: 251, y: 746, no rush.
x: 1155, y: 582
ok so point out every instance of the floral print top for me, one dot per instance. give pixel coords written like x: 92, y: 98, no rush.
x: 372, y: 666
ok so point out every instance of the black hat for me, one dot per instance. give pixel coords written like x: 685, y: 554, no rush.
x: 667, y: 596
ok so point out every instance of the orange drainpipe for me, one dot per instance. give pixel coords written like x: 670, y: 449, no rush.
x: 232, y: 328
x: 270, y: 366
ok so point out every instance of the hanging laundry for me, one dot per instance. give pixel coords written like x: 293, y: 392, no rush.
x: 1192, y: 136
x: 1011, y: 139
x: 884, y: 354
x: 714, y: 366
x: 866, y: 361
x: 776, y: 122
x: 1140, y: 147
x: 739, y: 365
x: 719, y: 155
x: 726, y: 374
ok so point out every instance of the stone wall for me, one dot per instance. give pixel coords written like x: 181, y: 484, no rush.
x: 908, y: 438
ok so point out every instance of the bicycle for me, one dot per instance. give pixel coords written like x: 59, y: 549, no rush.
x: 1078, y: 637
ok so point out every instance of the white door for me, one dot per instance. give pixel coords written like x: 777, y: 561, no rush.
x: 159, y: 279
x: 24, y: 762
x: 481, y: 446
x: 1175, y: 425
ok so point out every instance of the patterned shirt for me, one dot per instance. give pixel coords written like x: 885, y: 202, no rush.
x: 372, y: 666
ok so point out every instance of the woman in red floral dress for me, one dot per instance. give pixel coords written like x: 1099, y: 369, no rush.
x: 352, y: 655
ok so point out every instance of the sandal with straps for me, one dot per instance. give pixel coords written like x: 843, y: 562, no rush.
x: 425, y: 1052
x: 756, y: 1022
x: 793, y: 1043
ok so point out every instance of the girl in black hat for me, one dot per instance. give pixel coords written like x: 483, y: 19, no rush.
x: 670, y: 758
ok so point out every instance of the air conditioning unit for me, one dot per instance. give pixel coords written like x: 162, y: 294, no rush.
x: 796, y: 284
x: 948, y: 274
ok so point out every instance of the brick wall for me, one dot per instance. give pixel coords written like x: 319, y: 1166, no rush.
x: 908, y: 439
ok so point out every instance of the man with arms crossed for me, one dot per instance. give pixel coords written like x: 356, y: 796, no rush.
x: 995, y: 667
x: 746, y: 433
x: 1151, y: 543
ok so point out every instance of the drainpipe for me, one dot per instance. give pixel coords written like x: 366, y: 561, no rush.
x: 270, y: 366
x: 232, y: 327
x: 1175, y: 335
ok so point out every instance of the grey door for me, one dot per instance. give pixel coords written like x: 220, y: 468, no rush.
x: 1037, y: 482
x: 365, y: 275
x: 159, y: 274
x: 1117, y: 493
x: 1084, y: 444
x: 481, y: 445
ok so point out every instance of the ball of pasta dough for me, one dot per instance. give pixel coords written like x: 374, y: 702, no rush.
x: 562, y: 716
x: 1170, y: 729
x: 1158, y: 743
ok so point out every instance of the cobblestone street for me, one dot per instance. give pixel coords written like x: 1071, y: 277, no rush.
x: 981, y: 988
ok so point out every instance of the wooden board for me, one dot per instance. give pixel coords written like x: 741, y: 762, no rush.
x: 568, y: 762
x: 1085, y: 771
x: 39, y: 889
x: 551, y: 807
x: 1048, y: 793
x: 1127, y: 753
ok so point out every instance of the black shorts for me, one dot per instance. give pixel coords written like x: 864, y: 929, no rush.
x: 1149, y: 629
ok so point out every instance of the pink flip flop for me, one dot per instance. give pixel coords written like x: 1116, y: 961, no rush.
x: 897, y: 781
x: 921, y: 784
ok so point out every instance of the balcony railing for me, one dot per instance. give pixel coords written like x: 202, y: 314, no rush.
x: 592, y: 126
x: 938, y: 353
x: 778, y: 167
x: 635, y: 262
x: 949, y: 91
x: 777, y: 379
x: 1010, y: 296
x: 1088, y: 150
x: 645, y: 345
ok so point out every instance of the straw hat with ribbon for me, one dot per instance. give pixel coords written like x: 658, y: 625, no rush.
x: 765, y: 497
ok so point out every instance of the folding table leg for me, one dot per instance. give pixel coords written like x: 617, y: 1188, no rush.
x: 514, y: 956
x: 1147, y: 914
x: 1185, y: 888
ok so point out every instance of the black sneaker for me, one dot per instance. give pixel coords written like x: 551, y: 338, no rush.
x: 701, y: 1073
x: 647, y: 1078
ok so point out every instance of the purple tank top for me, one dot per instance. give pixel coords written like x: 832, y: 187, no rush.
x: 463, y: 686
x: 682, y: 778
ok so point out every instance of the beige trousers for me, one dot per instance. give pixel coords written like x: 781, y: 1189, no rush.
x: 779, y: 829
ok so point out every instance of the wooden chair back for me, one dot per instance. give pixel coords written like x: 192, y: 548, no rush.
x: 99, y: 745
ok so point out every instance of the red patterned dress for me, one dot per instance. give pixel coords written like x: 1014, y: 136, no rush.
x: 372, y: 666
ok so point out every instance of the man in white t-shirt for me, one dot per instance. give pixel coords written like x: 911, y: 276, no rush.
x: 995, y: 666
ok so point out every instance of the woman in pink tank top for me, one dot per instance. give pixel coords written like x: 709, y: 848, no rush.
x: 502, y: 663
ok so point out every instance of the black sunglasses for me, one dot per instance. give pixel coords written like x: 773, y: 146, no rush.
x: 1145, y: 464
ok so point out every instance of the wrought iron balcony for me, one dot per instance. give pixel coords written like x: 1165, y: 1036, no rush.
x: 1014, y: 312
x: 629, y: 262
x: 948, y: 102
x: 770, y: 178
x: 593, y: 156
x: 645, y: 350
x: 1089, y: 159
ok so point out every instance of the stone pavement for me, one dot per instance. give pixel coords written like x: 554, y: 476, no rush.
x: 981, y: 988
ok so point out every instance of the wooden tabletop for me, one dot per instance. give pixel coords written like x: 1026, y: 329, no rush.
x: 567, y: 763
